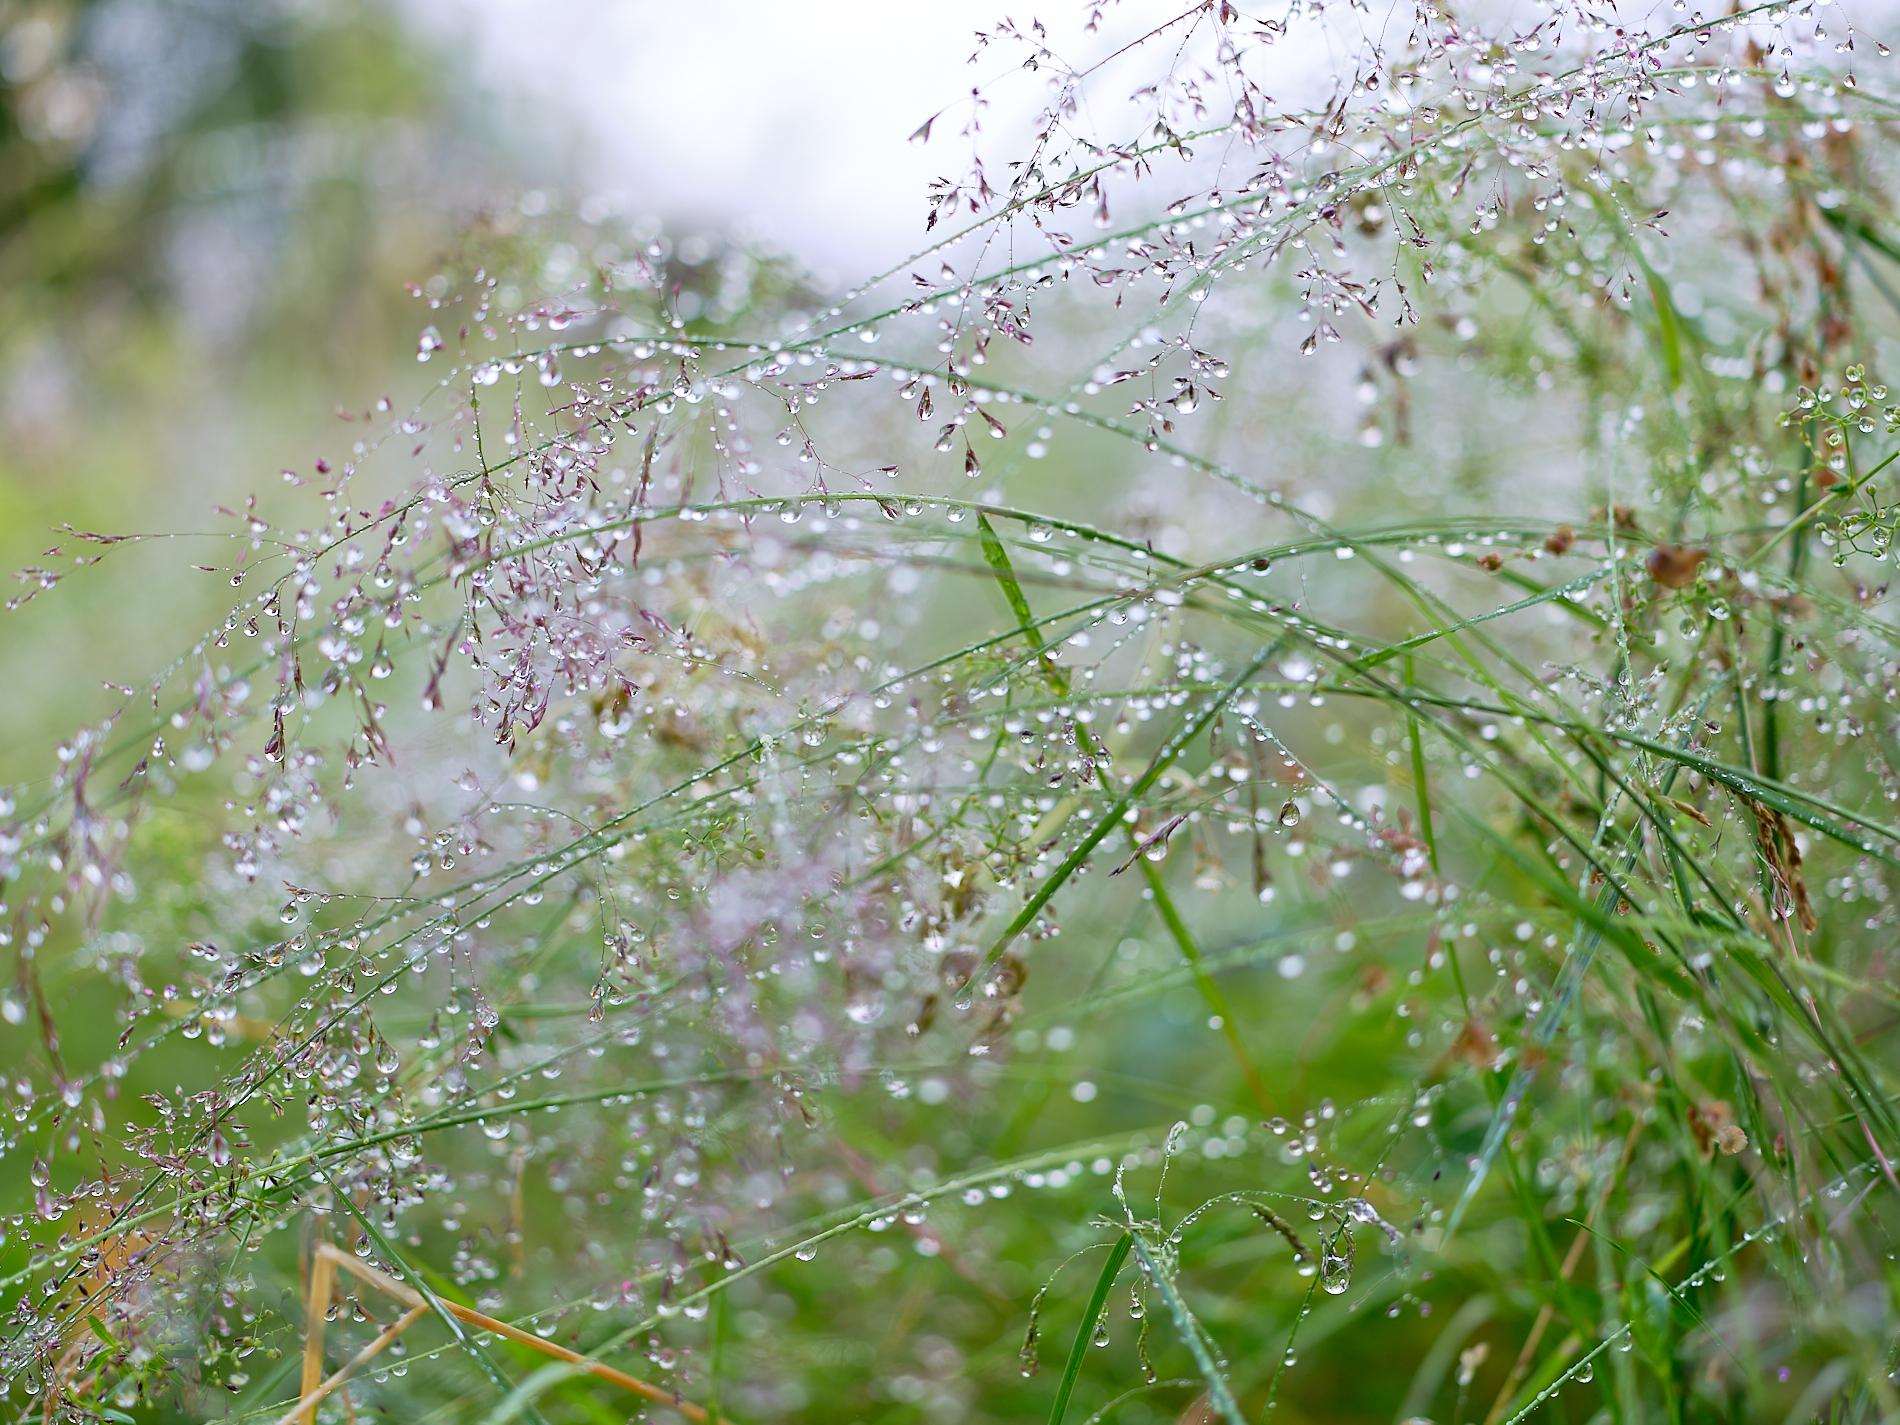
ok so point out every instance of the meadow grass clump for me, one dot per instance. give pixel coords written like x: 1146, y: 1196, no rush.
x: 1261, y: 785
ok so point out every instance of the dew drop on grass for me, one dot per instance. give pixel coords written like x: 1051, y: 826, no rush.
x: 1335, y: 1262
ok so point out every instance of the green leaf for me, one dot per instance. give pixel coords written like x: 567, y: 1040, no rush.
x: 1085, y: 1332
x: 1668, y: 326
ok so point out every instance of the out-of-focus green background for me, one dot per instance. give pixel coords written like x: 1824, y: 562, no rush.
x: 207, y: 213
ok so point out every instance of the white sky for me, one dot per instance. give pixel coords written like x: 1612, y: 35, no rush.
x: 793, y: 119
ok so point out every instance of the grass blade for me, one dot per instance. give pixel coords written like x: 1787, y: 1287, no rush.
x: 1085, y: 1332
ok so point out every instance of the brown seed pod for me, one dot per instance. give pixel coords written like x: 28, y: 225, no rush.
x: 1673, y: 566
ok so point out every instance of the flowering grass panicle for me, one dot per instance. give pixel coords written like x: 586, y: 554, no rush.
x: 1274, y: 752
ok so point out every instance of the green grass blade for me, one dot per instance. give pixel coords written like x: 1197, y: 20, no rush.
x: 1085, y: 1332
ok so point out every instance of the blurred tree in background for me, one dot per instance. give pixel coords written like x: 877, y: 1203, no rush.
x: 205, y: 211
x: 218, y: 162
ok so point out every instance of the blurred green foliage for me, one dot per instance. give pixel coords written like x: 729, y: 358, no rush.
x: 206, y: 215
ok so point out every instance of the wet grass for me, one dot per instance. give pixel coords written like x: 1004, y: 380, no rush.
x: 1414, y: 922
